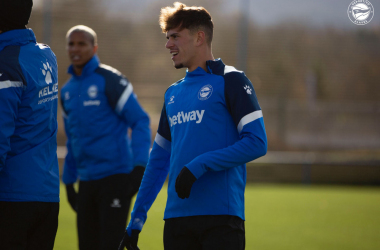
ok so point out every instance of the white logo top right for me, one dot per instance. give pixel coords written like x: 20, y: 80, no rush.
x: 360, y: 12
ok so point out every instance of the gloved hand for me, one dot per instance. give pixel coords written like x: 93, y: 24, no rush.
x: 135, y: 178
x: 130, y: 242
x: 184, y: 182
x: 72, y: 196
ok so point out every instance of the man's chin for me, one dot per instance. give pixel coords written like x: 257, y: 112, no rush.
x: 79, y: 65
x: 178, y: 66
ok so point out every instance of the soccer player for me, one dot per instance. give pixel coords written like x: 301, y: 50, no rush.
x: 99, y: 108
x: 29, y: 174
x: 211, y: 125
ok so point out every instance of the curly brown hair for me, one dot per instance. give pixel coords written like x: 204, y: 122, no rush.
x: 192, y: 18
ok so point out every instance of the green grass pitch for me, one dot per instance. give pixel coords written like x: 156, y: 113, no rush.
x: 277, y: 217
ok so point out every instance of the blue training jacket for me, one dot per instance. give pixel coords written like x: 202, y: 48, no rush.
x: 211, y: 122
x: 28, y: 119
x: 99, y: 107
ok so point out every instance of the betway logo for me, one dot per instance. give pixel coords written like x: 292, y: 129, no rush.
x: 186, y: 117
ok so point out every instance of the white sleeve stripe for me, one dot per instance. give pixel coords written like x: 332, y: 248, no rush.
x: 8, y: 84
x: 163, y: 143
x: 228, y: 69
x: 124, y: 98
x: 249, y: 118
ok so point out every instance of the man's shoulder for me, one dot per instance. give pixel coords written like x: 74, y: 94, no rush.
x: 108, y: 71
x: 176, y: 84
x: 234, y: 76
x: 229, y: 73
x: 32, y: 54
x: 31, y: 51
x: 10, y: 68
x: 9, y: 55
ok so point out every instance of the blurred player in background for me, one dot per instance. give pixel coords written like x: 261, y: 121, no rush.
x: 211, y: 125
x: 99, y: 107
x: 29, y: 174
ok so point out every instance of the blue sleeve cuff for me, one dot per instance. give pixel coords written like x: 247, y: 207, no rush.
x: 196, y: 169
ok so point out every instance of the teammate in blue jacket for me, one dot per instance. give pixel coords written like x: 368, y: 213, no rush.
x: 29, y: 174
x: 99, y: 107
x: 211, y: 125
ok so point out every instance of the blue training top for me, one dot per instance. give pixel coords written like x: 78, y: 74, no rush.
x: 28, y: 119
x: 211, y: 123
x: 99, y: 107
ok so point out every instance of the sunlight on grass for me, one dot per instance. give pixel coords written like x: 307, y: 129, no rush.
x: 278, y: 217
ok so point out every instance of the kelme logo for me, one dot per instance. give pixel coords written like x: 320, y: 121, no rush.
x: 47, y: 71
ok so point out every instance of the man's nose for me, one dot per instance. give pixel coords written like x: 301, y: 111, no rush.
x: 73, y: 48
x: 168, y: 44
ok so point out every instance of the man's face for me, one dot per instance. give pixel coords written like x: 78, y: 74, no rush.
x: 80, y: 48
x: 181, y: 44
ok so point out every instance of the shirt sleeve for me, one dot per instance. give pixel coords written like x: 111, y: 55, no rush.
x: 154, y: 176
x: 120, y: 95
x: 11, y: 88
x: 242, y: 104
x: 69, y: 174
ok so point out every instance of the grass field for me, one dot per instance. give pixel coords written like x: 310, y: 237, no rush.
x: 278, y: 217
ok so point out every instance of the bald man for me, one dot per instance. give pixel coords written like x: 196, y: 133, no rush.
x: 99, y: 107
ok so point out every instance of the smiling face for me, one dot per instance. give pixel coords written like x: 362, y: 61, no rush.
x: 81, y: 49
x: 182, y: 46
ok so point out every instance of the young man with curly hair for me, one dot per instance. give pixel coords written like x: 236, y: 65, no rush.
x: 211, y: 125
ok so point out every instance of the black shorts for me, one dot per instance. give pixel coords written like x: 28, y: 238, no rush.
x: 28, y: 225
x: 103, y: 207
x: 207, y: 232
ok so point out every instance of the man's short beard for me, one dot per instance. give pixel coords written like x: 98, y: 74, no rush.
x: 180, y: 66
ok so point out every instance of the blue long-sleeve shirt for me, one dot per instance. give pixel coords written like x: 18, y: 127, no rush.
x: 99, y: 107
x: 211, y: 122
x: 28, y: 119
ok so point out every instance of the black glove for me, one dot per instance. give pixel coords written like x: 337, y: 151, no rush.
x: 184, y: 182
x: 135, y: 178
x: 130, y: 242
x: 72, y: 196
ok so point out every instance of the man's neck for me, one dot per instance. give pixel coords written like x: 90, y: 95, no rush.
x: 77, y: 71
x: 201, y: 61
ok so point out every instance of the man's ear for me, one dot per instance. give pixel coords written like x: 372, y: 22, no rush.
x: 201, y: 38
x: 95, y: 48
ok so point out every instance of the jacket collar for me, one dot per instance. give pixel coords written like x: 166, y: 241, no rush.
x: 88, y: 69
x: 17, y: 37
x: 215, y: 67
x: 197, y: 72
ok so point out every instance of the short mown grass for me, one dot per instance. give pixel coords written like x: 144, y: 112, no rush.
x: 278, y: 217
